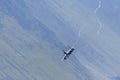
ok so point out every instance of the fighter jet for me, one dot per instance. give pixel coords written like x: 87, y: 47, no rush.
x: 67, y: 53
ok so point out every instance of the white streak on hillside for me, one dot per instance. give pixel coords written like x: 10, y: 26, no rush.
x: 98, y: 20
x: 98, y: 7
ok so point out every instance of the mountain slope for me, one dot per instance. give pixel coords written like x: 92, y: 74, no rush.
x: 33, y: 35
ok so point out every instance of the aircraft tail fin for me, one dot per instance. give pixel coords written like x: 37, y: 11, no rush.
x: 64, y: 52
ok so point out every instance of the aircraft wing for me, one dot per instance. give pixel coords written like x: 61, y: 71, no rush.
x: 68, y: 51
x: 63, y: 57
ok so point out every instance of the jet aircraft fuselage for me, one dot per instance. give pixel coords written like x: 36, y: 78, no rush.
x: 67, y: 53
